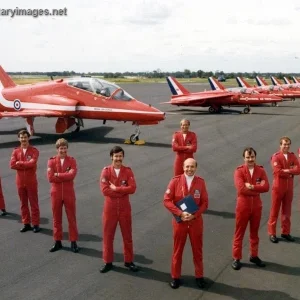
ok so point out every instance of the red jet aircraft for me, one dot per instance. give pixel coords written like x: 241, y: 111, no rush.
x: 268, y: 89
x: 72, y: 100
x: 215, y: 99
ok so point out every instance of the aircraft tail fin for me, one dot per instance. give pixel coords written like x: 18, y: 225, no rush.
x: 242, y: 82
x: 215, y: 84
x: 286, y: 80
x: 175, y: 87
x: 295, y: 79
x: 5, y: 79
x: 275, y: 81
x: 260, y: 81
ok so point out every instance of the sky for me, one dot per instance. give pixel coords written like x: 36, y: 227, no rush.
x: 146, y: 35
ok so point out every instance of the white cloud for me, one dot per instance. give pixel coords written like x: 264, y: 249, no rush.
x: 141, y: 35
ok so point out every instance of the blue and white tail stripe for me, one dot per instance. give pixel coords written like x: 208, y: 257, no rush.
x: 240, y: 82
x: 214, y: 86
x: 286, y: 80
x: 274, y: 81
x: 175, y: 87
x: 258, y: 81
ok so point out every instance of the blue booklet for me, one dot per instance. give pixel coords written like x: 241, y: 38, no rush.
x: 186, y: 204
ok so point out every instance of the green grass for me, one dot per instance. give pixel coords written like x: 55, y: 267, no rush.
x: 229, y: 82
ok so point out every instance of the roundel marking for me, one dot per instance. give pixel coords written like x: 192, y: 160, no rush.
x: 17, y: 104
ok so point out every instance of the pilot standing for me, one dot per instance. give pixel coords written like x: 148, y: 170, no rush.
x: 2, y: 201
x: 184, y: 143
x: 192, y: 224
x: 117, y: 183
x: 62, y: 170
x: 285, y: 166
x: 24, y: 161
x: 250, y: 181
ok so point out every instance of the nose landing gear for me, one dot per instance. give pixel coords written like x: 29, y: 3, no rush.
x: 134, y: 138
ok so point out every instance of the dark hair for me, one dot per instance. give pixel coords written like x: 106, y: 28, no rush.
x: 116, y: 149
x: 250, y: 150
x: 22, y: 132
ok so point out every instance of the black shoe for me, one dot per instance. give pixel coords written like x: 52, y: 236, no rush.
x: 26, y: 227
x: 131, y: 266
x: 236, y: 264
x: 200, y: 282
x: 4, y: 212
x: 107, y: 267
x: 175, y: 283
x: 288, y: 237
x: 256, y: 260
x: 57, y: 246
x: 36, y: 228
x: 74, y: 247
x: 273, y: 239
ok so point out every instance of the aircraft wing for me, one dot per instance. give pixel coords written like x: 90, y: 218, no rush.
x: 32, y: 113
x: 198, y: 99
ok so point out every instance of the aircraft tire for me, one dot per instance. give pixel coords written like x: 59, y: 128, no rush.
x: 133, y: 138
x: 246, y: 110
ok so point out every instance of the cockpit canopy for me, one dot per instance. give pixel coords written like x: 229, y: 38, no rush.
x: 248, y: 91
x: 100, y: 87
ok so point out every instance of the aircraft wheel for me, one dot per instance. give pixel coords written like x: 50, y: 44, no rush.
x: 133, y: 138
x: 211, y: 110
x: 246, y: 110
x: 274, y: 104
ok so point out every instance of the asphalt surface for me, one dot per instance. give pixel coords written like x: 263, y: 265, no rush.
x: 29, y: 271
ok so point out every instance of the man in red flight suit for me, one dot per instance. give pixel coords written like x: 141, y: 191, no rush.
x: 250, y: 180
x: 24, y: 160
x: 285, y: 166
x: 184, y: 143
x: 2, y: 201
x: 192, y: 224
x: 61, y: 172
x: 117, y: 183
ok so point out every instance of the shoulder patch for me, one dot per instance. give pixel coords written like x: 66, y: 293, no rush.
x: 275, y: 163
x: 168, y: 191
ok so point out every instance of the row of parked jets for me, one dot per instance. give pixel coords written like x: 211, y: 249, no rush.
x: 245, y: 94
x: 71, y: 100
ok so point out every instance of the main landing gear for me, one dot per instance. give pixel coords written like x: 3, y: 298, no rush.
x: 246, y: 110
x: 274, y: 104
x: 215, y: 109
x: 134, y: 138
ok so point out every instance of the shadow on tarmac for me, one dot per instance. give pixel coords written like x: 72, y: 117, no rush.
x: 83, y: 237
x: 118, y: 257
x: 212, y: 287
x: 94, y: 135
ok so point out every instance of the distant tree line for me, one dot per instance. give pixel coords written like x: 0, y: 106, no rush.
x: 158, y: 73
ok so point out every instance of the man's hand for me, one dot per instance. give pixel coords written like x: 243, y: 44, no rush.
x: 185, y: 216
x: 112, y: 186
x: 286, y: 170
x: 248, y: 186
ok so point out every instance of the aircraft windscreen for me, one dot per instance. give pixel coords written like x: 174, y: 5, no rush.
x: 110, y: 88
x: 100, y: 87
